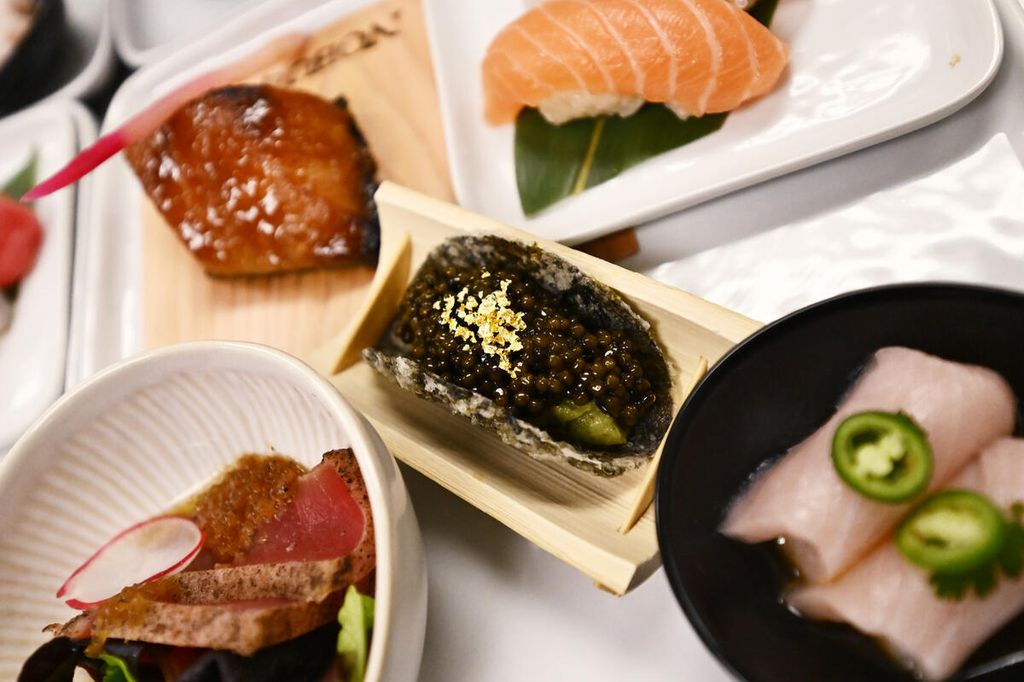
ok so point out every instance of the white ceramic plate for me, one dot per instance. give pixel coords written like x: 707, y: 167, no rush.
x: 33, y: 349
x: 146, y: 30
x: 89, y: 61
x: 141, y: 436
x: 861, y: 72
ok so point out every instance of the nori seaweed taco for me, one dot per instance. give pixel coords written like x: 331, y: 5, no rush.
x: 524, y: 344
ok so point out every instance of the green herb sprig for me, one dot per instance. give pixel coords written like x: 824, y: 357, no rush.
x: 23, y: 180
x: 117, y: 670
x: 982, y: 580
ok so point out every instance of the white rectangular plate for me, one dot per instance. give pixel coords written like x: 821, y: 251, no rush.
x: 146, y: 30
x: 34, y: 347
x: 861, y: 72
x: 89, y: 55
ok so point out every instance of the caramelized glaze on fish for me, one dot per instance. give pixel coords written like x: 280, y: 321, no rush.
x: 259, y: 180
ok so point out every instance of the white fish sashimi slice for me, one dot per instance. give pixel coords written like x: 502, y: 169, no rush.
x: 888, y: 597
x: 826, y: 524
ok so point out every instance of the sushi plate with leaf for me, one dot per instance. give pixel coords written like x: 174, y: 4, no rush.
x: 36, y: 290
x: 854, y: 74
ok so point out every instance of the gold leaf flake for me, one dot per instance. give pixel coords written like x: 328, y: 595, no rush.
x: 489, y: 321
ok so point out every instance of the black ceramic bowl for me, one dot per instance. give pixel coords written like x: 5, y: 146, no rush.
x: 28, y: 72
x: 766, y: 395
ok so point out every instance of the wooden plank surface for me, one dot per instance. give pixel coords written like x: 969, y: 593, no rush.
x: 379, y: 60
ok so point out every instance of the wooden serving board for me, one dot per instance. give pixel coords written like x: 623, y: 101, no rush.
x: 379, y: 60
x: 573, y: 514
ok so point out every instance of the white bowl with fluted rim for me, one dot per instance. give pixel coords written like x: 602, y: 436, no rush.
x: 141, y: 435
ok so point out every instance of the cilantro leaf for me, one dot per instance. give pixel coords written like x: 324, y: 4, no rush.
x: 948, y: 586
x: 23, y: 180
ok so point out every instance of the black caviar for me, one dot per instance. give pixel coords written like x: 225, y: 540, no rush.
x: 564, y: 359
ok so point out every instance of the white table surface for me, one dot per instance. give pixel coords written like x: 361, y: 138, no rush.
x: 499, y: 608
x: 502, y: 609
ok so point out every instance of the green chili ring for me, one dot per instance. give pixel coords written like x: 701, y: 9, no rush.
x: 953, y: 532
x: 892, y: 440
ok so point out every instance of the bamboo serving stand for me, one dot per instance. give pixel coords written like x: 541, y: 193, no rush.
x: 572, y: 514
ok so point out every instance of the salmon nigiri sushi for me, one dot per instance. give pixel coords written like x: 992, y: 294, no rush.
x: 577, y: 58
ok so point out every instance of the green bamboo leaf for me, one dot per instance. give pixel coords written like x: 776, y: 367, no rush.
x: 764, y: 11
x: 554, y: 162
x: 651, y: 131
x: 23, y: 180
x: 549, y: 158
x: 557, y: 161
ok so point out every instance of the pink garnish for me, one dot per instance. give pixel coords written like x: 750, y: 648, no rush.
x: 150, y: 118
x: 21, y: 235
x: 153, y: 548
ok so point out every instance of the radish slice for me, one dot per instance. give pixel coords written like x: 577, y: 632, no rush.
x: 148, y: 550
x: 150, y: 118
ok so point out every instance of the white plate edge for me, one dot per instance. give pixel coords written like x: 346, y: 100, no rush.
x: 83, y: 129
x: 97, y: 69
x: 88, y: 130
x: 136, y: 56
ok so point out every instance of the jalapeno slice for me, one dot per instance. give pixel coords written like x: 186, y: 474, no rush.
x: 953, y: 532
x: 882, y: 455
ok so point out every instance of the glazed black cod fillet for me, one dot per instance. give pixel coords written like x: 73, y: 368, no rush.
x: 524, y: 344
